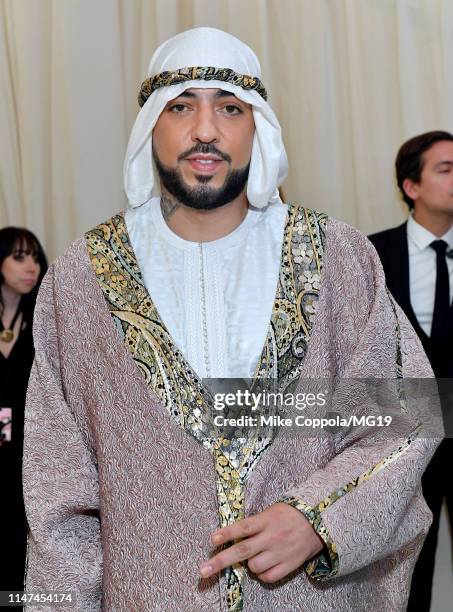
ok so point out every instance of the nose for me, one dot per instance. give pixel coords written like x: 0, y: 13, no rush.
x: 205, y: 127
x: 31, y: 265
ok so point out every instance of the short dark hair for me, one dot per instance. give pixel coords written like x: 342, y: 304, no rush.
x: 409, y: 160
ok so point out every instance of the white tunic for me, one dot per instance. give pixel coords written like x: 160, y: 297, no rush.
x: 215, y: 298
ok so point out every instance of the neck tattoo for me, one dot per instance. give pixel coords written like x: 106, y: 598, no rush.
x: 168, y: 206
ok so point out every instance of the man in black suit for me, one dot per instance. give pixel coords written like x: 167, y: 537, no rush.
x: 417, y: 261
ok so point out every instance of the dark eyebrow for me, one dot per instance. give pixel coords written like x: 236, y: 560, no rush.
x: 448, y: 162
x: 222, y: 93
x: 186, y: 94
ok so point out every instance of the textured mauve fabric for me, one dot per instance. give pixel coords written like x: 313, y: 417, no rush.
x: 121, y: 501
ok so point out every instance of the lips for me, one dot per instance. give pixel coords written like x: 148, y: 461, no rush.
x: 205, y: 164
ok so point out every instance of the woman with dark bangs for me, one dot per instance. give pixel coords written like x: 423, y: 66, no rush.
x: 22, y: 267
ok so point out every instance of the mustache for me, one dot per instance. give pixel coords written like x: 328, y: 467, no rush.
x: 205, y: 149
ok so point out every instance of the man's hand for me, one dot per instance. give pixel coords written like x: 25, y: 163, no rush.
x: 274, y: 543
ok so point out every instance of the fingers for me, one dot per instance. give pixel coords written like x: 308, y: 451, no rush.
x: 275, y: 542
x: 241, y: 551
x: 262, y: 562
x: 242, y: 529
x: 276, y: 573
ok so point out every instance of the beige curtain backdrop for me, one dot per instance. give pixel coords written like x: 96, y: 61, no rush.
x: 349, y: 79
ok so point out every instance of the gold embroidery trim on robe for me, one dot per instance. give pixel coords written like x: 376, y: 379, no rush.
x: 322, y: 567
x: 172, y: 379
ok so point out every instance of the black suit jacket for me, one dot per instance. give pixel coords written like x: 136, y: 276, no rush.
x: 392, y: 248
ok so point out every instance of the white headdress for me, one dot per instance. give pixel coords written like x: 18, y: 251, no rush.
x: 205, y: 58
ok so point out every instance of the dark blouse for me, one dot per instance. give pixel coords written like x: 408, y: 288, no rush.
x: 14, y: 374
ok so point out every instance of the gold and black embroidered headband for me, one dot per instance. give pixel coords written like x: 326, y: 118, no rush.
x: 205, y: 73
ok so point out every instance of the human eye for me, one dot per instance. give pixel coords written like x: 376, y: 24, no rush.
x: 232, y: 109
x: 18, y: 256
x: 178, y: 107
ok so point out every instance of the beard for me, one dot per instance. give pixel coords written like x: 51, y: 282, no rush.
x: 202, y: 196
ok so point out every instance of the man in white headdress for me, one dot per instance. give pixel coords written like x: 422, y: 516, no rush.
x: 209, y: 275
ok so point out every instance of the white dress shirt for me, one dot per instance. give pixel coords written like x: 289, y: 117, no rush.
x: 221, y: 331
x: 423, y: 269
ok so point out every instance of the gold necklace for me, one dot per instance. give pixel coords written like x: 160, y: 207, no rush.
x: 7, y: 334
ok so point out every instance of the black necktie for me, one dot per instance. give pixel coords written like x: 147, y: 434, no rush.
x: 442, y: 296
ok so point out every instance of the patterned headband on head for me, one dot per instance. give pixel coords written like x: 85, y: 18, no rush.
x: 205, y: 58
x: 194, y: 73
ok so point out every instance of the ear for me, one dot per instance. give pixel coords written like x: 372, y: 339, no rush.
x: 410, y: 189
